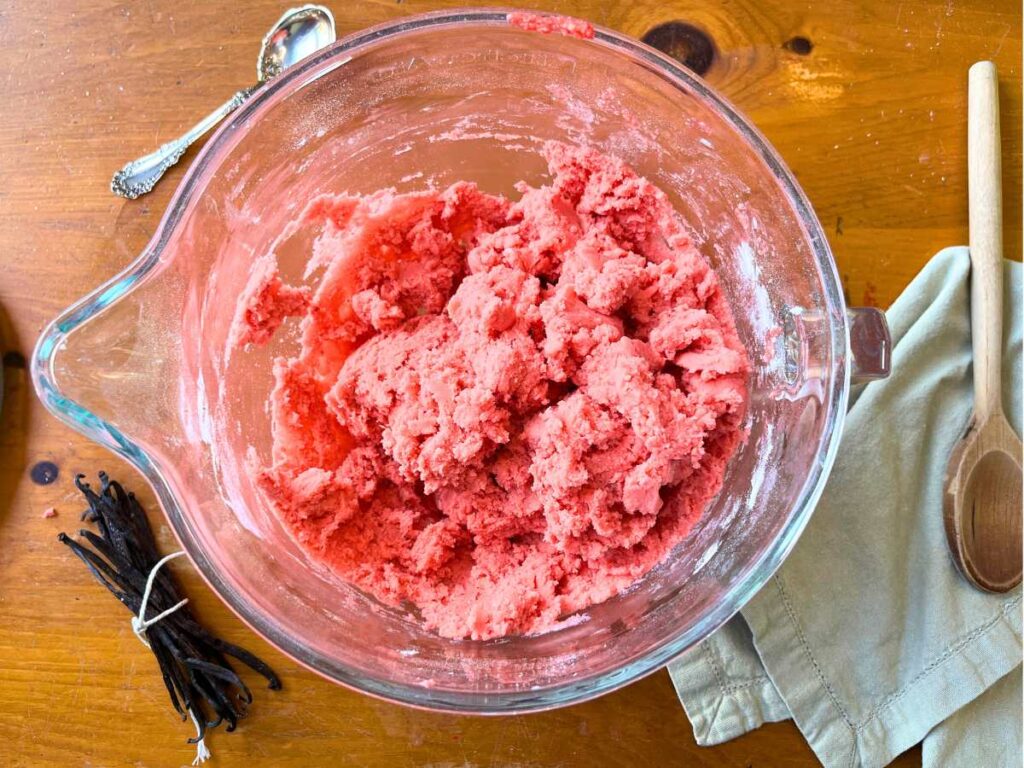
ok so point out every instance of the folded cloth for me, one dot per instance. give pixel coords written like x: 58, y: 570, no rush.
x: 867, y: 636
x: 985, y: 733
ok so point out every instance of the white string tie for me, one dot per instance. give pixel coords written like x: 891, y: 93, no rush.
x: 140, y: 623
x: 139, y: 626
x: 202, y: 752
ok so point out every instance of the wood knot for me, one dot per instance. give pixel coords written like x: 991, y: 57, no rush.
x: 685, y: 43
x: 799, y: 45
x: 44, y: 472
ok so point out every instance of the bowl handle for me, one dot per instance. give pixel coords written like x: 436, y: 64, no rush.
x: 870, y: 344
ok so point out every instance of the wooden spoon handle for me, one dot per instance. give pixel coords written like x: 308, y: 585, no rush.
x: 986, y: 237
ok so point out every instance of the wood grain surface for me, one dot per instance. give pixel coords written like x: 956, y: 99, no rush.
x: 865, y: 99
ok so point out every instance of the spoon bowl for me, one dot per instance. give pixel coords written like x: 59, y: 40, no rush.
x: 300, y: 32
x: 983, y: 505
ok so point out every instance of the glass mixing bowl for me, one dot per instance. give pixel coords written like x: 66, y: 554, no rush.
x: 141, y: 366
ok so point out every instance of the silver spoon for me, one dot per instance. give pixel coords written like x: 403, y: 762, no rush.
x: 297, y: 34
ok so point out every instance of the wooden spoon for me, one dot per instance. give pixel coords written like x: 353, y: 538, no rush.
x: 984, y: 479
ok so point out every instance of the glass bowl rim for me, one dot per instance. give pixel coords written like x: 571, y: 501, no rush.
x: 578, y: 690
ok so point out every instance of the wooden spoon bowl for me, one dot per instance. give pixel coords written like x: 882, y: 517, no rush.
x: 983, y: 506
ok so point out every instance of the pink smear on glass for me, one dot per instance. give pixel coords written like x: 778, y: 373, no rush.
x: 550, y: 24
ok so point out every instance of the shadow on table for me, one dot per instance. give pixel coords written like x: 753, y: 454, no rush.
x: 14, y: 413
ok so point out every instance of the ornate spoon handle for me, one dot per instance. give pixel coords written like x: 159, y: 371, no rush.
x: 140, y: 176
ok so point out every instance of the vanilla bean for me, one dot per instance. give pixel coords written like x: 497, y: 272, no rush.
x: 193, y: 663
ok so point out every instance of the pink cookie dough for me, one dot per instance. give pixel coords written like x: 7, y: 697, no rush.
x: 548, y: 24
x: 499, y: 412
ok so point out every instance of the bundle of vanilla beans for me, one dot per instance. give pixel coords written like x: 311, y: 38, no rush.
x: 199, y: 678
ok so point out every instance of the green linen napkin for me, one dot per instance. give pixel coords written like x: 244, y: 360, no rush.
x: 868, y: 637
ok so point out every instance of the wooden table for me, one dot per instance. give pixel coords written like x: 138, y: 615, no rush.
x: 865, y: 100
